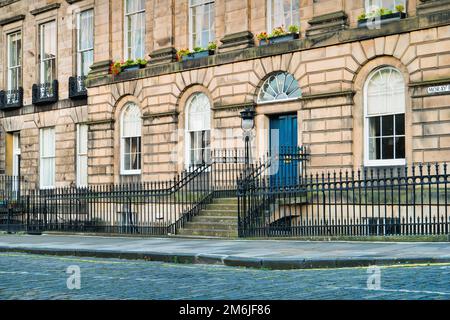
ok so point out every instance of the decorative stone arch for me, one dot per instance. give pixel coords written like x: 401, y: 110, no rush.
x: 181, y: 109
x: 118, y: 109
x: 359, y: 82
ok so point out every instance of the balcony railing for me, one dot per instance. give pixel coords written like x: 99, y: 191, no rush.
x: 77, y: 88
x: 11, y: 99
x: 45, y: 93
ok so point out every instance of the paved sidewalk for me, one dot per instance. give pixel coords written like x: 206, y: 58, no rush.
x: 272, y: 254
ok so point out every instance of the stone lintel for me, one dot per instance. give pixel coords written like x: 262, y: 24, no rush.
x: 430, y: 6
x: 327, y: 24
x: 165, y: 55
x: 328, y: 95
x: 49, y: 7
x: 173, y: 114
x: 73, y: 1
x: 100, y: 69
x: 6, y: 21
x: 236, y: 41
x: 233, y: 107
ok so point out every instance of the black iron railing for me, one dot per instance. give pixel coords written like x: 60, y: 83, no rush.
x: 77, y: 88
x: 45, y: 93
x: 154, y: 208
x: 370, y: 202
x: 13, y: 193
x: 11, y: 99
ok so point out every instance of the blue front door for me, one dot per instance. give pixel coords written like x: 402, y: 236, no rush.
x: 283, y: 149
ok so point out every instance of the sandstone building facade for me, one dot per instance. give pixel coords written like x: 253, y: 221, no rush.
x: 373, y: 92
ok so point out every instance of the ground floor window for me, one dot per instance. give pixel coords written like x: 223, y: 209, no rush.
x: 131, y: 140
x: 198, y: 130
x: 47, y: 158
x: 82, y: 155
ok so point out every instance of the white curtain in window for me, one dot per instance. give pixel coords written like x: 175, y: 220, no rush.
x: 202, y: 22
x: 283, y: 13
x: 198, y: 129
x: 14, y: 61
x: 388, y: 4
x: 85, y: 41
x: 135, y: 29
x: 47, y: 35
x: 385, y: 92
x: 199, y: 113
x: 131, y: 139
x: 47, y: 157
x: 82, y: 157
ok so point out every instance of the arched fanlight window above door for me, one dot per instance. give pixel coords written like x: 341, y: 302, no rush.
x: 281, y: 86
x: 198, y: 130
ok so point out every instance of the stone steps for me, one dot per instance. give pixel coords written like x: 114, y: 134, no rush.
x: 218, y: 219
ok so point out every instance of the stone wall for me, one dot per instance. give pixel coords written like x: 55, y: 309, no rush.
x: 330, y: 66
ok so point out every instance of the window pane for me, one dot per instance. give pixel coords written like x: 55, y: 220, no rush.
x: 374, y: 127
x: 374, y: 149
x: 400, y: 148
x: 400, y: 124
x: 388, y: 148
x: 388, y: 125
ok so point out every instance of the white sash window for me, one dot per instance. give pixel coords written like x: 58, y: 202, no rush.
x: 47, y: 158
x: 47, y: 53
x: 198, y: 130
x: 14, y: 61
x: 85, y: 42
x: 201, y: 26
x: 282, y: 13
x: 82, y: 155
x: 134, y: 29
x: 131, y: 124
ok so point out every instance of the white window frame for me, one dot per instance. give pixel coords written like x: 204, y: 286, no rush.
x: 80, y: 52
x: 188, y: 142
x: 270, y: 25
x: 82, y: 171
x: 191, y: 20
x: 383, y: 162
x: 46, y: 157
x: 123, y: 171
x: 42, y: 61
x: 126, y: 46
x: 368, y: 8
x: 18, y: 67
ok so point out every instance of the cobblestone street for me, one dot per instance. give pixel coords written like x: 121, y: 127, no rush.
x: 24, y: 276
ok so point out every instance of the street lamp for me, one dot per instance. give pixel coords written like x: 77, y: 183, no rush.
x: 248, y: 124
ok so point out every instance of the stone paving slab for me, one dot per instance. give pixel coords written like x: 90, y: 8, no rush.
x: 271, y: 254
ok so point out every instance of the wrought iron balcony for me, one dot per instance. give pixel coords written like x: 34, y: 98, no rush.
x: 11, y: 99
x: 77, y: 88
x: 45, y: 93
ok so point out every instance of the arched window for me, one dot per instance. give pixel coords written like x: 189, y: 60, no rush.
x: 385, y: 118
x: 281, y: 86
x: 198, y: 130
x: 130, y: 140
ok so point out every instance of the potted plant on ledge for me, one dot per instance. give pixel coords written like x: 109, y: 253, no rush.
x: 186, y: 54
x: 279, y: 35
x: 384, y: 15
x: 119, y: 67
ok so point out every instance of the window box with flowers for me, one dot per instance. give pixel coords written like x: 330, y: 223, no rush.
x: 381, y: 15
x: 129, y: 65
x: 186, y: 54
x: 279, y: 35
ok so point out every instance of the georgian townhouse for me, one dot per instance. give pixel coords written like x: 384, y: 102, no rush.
x: 100, y: 91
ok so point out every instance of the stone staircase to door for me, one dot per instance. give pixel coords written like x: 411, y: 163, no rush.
x: 218, y: 219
